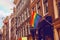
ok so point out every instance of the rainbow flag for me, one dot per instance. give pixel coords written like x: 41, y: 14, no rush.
x: 34, y: 19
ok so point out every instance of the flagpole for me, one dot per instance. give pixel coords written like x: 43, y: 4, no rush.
x: 46, y: 20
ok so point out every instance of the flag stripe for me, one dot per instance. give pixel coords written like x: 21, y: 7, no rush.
x: 34, y: 19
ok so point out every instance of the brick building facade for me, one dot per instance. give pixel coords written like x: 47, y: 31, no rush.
x: 20, y: 26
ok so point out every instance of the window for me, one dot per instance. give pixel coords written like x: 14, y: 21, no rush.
x: 28, y: 14
x: 25, y: 14
x: 33, y: 9
x: 38, y: 6
x: 23, y: 31
x: 59, y: 11
x: 58, y: 8
x: 26, y: 31
x: 28, y: 28
x: 45, y: 2
x: 22, y: 2
x: 20, y: 5
x: 19, y: 34
x: 22, y: 18
x: 58, y: 31
x: 18, y: 21
x: 32, y: 1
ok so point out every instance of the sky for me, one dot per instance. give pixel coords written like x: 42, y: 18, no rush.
x: 6, y: 7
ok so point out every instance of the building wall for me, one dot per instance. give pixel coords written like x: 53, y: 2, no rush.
x: 6, y: 29
x: 1, y: 34
x: 23, y: 14
x: 56, y: 18
x: 43, y: 8
x: 16, y: 2
x: 13, y: 27
x: 51, y: 10
x: 4, y: 32
x: 38, y: 6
